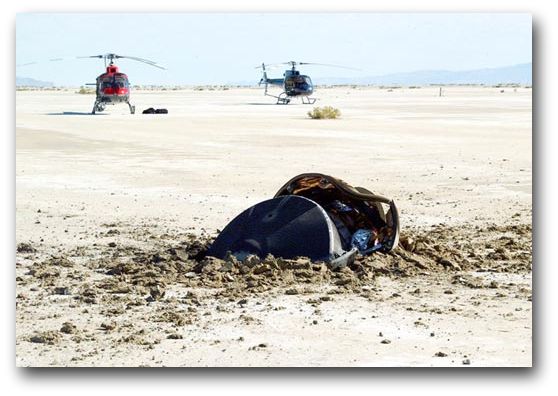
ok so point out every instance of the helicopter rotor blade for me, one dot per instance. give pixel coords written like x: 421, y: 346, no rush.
x: 146, y: 61
x: 329, y: 65
x: 59, y: 59
x: 65, y: 58
x: 295, y: 63
x: 26, y: 64
x: 282, y: 63
x: 111, y: 56
x: 91, y: 56
x: 270, y: 66
x: 290, y: 63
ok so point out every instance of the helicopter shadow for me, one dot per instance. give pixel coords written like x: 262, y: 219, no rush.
x: 260, y: 104
x: 75, y: 113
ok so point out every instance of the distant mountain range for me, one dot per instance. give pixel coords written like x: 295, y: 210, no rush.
x: 519, y: 74
x: 31, y: 82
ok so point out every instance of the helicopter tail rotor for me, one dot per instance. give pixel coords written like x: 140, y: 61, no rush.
x: 264, y: 79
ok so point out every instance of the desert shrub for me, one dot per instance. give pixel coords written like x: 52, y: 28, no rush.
x: 326, y: 112
x: 85, y: 91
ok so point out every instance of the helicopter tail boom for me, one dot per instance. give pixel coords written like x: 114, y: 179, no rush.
x: 265, y: 80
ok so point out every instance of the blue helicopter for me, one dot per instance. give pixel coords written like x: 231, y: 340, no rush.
x: 293, y: 83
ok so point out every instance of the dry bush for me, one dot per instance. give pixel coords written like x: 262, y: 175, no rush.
x: 326, y: 112
x: 85, y: 91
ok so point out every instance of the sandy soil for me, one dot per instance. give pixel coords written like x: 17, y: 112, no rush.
x: 111, y: 209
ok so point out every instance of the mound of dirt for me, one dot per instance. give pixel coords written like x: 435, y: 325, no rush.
x: 146, y: 271
x: 25, y: 247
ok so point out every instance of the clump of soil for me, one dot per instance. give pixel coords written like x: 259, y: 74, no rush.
x: 178, y: 318
x: 141, y: 273
x: 68, y: 328
x: 46, y: 337
x: 490, y: 249
x: 137, y: 338
x: 25, y: 248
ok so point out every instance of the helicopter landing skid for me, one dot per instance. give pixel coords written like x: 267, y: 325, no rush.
x: 309, y: 100
x: 98, y: 107
x: 284, y: 99
x: 281, y: 99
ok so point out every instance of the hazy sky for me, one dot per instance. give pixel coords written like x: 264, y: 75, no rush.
x: 225, y: 48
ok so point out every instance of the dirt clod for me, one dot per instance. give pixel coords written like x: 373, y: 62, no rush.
x: 46, y: 337
x: 68, y: 328
x: 25, y: 247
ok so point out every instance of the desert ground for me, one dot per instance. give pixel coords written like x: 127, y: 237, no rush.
x: 112, y: 210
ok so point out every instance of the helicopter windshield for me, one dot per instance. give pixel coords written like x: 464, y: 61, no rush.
x: 107, y: 83
x: 121, y: 82
x: 303, y: 83
x: 295, y: 85
x: 114, y: 83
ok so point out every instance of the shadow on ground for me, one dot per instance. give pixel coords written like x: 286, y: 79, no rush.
x: 74, y: 113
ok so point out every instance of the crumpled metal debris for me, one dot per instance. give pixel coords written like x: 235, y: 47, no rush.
x: 316, y: 216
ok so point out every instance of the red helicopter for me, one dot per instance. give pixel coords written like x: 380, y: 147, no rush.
x: 113, y: 87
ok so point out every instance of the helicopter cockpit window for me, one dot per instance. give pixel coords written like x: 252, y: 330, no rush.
x: 121, y: 83
x: 303, y: 83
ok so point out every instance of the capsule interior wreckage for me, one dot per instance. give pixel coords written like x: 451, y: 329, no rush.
x: 315, y: 216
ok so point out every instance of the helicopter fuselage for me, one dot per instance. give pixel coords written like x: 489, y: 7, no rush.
x: 112, y: 87
x: 293, y: 83
x: 296, y: 84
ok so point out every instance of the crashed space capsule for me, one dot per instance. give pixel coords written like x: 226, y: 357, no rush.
x: 315, y: 216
